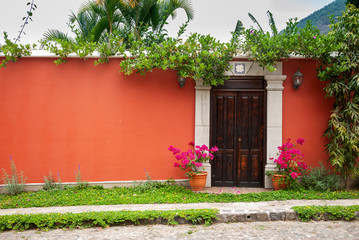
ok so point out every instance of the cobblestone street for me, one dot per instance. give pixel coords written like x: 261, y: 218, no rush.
x: 256, y: 230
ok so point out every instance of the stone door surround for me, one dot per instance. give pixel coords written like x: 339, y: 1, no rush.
x: 274, y: 89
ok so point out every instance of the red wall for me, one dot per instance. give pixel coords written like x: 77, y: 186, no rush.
x: 305, y: 110
x: 114, y: 126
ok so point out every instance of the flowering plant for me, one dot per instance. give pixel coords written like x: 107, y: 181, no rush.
x: 191, y: 160
x: 289, y: 161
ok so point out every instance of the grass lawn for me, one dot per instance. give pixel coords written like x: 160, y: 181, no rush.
x: 155, y: 193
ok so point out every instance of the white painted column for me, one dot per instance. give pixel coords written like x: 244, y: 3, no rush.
x: 202, y: 121
x: 274, y: 120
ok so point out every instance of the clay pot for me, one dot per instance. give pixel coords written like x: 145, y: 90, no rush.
x: 279, y: 182
x: 198, y: 181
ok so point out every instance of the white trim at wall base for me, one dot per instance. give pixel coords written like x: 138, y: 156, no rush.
x: 107, y: 184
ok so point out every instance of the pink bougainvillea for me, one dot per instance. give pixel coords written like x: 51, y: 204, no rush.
x: 189, y: 161
x: 289, y: 161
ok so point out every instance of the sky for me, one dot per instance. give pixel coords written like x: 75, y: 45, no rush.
x: 215, y: 17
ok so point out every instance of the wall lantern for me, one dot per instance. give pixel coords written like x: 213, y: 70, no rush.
x: 297, y: 79
x: 181, y: 81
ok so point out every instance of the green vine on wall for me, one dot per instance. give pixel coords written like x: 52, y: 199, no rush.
x: 198, y: 57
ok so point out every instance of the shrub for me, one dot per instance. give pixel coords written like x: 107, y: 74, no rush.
x: 15, y: 183
x: 307, y: 213
x: 320, y: 179
x: 105, y: 219
x: 50, y: 183
x: 81, y: 184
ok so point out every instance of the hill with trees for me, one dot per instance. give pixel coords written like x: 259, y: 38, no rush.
x: 320, y: 18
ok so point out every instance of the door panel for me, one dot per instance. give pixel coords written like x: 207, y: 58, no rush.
x: 237, y: 129
x: 224, y: 124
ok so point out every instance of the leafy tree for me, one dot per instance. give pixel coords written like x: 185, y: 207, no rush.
x: 354, y: 2
x: 340, y: 70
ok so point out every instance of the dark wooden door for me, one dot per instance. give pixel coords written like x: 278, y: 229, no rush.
x: 237, y: 129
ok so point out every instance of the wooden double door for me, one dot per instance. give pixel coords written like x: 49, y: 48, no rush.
x: 238, y: 130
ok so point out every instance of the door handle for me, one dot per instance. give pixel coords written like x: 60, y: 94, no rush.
x: 239, y: 139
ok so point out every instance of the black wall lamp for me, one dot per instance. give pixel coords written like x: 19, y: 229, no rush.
x: 181, y: 81
x: 297, y: 79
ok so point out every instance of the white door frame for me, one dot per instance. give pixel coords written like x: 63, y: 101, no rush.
x: 274, y: 89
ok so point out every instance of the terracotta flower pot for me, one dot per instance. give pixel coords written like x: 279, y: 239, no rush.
x: 279, y: 182
x: 197, y: 181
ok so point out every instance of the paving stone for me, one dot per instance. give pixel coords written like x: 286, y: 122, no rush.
x: 291, y: 230
x: 291, y: 216
x: 277, y: 216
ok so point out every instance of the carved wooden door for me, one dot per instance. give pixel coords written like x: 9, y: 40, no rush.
x: 237, y: 129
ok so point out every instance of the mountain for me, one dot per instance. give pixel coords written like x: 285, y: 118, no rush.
x: 321, y: 19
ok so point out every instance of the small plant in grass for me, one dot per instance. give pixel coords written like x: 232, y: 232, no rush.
x: 14, y: 183
x: 81, y: 184
x: 320, y: 179
x: 149, y: 185
x: 50, y: 183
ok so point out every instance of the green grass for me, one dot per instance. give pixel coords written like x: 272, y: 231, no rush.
x: 154, y: 194
x: 104, y: 219
x: 307, y: 213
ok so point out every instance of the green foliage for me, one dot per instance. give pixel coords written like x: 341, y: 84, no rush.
x: 51, y: 184
x: 198, y: 57
x: 307, y: 213
x: 354, y: 2
x: 12, y: 51
x: 320, y: 179
x: 14, y: 183
x: 340, y: 71
x: 63, y: 48
x: 145, y: 19
x: 338, y: 66
x: 104, y: 219
x: 81, y: 184
x: 148, y: 185
x: 159, y: 193
x: 26, y: 19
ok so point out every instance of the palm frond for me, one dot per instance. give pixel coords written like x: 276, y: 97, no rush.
x: 272, y: 23
x: 54, y: 35
x: 239, y: 28
x: 169, y: 8
x: 254, y: 20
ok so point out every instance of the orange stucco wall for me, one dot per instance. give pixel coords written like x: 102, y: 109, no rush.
x: 305, y: 110
x: 117, y: 127
x: 114, y: 126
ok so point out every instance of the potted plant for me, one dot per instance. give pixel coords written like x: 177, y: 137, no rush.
x: 289, y: 165
x: 191, y: 161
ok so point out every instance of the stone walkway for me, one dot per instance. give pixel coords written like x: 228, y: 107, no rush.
x: 326, y: 230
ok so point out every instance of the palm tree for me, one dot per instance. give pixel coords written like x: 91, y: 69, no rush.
x: 273, y: 27
x: 106, y: 17
x: 82, y: 24
x: 96, y: 20
x: 144, y: 14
